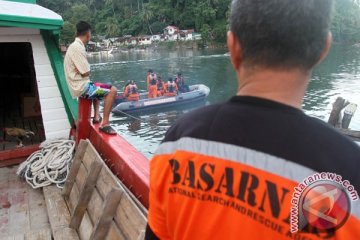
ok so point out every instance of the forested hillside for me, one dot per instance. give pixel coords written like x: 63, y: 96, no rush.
x: 133, y: 17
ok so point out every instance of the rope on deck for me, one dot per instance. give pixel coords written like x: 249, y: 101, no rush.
x: 49, y: 165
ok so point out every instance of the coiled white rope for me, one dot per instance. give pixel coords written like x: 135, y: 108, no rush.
x: 49, y: 165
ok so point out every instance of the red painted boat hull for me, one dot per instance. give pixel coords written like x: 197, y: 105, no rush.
x: 127, y: 163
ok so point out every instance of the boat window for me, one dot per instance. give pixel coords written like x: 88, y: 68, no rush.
x: 19, y: 98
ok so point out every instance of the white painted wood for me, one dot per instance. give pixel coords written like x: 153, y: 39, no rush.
x: 56, y: 123
x: 41, y: 58
x: 45, y: 81
x: 43, y: 70
x: 27, y: 10
x: 54, y: 114
x: 59, y: 134
x: 52, y: 103
x: 35, y: 40
x: 49, y: 92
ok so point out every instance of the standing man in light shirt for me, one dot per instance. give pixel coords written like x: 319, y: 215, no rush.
x: 77, y: 72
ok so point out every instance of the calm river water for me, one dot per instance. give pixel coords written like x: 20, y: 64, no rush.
x: 338, y: 75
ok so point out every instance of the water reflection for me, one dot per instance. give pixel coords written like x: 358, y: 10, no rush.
x: 338, y: 75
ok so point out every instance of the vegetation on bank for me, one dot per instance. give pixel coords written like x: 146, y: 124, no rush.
x: 114, y: 18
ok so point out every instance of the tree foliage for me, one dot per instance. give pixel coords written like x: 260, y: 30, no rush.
x: 114, y: 18
x: 346, y: 21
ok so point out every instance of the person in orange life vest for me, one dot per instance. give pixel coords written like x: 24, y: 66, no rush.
x: 171, y: 88
x: 153, y: 86
x: 222, y: 172
x: 127, y: 84
x: 131, y: 92
x: 160, y: 87
x: 148, y: 78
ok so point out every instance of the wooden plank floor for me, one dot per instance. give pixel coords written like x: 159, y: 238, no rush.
x: 23, y: 213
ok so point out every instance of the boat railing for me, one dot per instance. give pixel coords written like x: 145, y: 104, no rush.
x: 93, y: 203
x: 126, y: 162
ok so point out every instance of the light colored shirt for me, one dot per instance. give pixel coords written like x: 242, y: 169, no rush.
x: 76, y: 64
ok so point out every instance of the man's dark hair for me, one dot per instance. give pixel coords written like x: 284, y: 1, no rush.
x: 281, y: 33
x: 82, y: 28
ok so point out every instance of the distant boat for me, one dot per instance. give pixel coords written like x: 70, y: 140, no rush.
x: 91, y: 54
x: 113, y: 51
x: 197, y: 93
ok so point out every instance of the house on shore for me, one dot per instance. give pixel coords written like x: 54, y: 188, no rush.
x: 156, y: 38
x: 129, y: 40
x: 172, y: 33
x: 145, y: 40
x: 186, y: 35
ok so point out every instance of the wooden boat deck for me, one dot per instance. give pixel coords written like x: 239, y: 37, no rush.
x: 23, y: 213
x: 11, y: 117
x: 94, y: 204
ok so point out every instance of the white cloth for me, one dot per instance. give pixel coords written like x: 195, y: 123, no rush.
x: 75, y: 64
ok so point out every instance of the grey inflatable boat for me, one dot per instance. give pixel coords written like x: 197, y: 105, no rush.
x: 196, y: 93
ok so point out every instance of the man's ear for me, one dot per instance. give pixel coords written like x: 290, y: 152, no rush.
x: 235, y: 50
x: 327, y: 47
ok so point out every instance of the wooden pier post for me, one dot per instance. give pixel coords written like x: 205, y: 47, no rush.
x: 348, y: 115
x: 338, y: 106
x: 342, y: 124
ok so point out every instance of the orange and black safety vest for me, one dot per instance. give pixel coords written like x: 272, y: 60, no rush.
x: 171, y: 87
x: 132, y: 89
x: 160, y: 85
x: 231, y: 171
x: 153, y: 82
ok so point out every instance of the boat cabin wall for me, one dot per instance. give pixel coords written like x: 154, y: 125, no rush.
x: 55, y: 120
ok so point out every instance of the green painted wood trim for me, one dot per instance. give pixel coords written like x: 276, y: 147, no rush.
x: 39, y: 23
x: 28, y: 25
x: 51, y: 40
x: 22, y: 1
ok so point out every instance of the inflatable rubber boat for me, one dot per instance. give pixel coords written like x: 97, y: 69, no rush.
x: 196, y: 93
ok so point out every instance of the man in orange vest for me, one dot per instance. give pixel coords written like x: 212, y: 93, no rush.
x: 148, y: 78
x: 171, y: 88
x: 160, y: 87
x: 131, y: 92
x: 152, y: 86
x: 256, y: 167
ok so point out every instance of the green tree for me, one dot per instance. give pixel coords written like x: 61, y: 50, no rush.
x: 210, y: 17
x: 79, y: 12
x: 112, y: 27
x: 346, y: 21
x: 205, y: 33
x: 68, y: 33
x: 158, y: 27
x: 147, y: 15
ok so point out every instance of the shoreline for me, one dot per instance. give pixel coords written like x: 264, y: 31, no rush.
x: 169, y: 46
